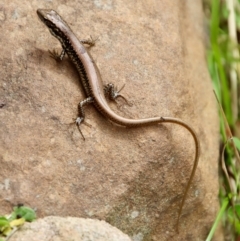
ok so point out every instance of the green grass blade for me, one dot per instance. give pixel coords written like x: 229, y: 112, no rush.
x: 218, y: 218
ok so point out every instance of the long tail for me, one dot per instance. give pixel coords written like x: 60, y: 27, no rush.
x: 197, y: 154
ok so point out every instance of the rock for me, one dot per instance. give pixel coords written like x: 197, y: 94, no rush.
x: 132, y: 178
x: 69, y: 228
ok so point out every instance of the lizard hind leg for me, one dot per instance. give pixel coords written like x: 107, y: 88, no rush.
x: 112, y: 93
x: 81, y: 114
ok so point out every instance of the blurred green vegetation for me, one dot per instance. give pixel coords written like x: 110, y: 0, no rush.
x: 224, y: 68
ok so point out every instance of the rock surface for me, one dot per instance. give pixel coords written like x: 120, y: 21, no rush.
x: 65, y: 229
x: 132, y: 178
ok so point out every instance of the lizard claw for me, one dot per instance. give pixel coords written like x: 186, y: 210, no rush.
x: 78, y: 121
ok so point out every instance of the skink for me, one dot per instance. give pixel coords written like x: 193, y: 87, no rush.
x: 93, y: 87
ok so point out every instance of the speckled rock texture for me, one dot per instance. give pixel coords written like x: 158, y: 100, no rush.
x: 65, y: 229
x: 132, y: 178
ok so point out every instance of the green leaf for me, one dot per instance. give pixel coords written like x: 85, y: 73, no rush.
x: 236, y: 142
x: 24, y: 212
x: 4, y: 222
